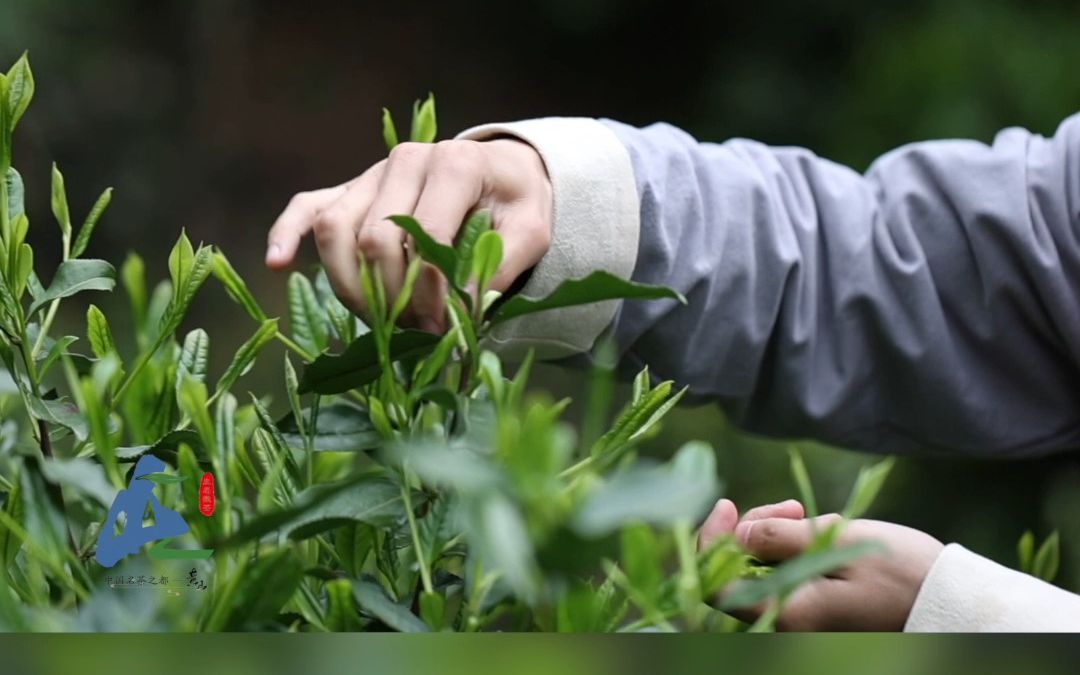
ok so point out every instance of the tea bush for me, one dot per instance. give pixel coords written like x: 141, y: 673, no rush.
x: 413, y: 485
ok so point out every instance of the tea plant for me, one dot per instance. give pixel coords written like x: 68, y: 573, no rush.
x: 413, y: 484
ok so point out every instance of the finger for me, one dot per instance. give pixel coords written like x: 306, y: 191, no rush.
x: 336, y: 232
x: 721, y: 521
x: 791, y: 508
x: 295, y: 222
x: 810, y: 607
x: 380, y: 240
x: 451, y: 190
x: 778, y: 539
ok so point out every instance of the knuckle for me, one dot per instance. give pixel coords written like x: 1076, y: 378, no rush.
x: 456, y: 157
x: 372, y: 241
x: 407, y: 152
x: 300, y: 200
x: 328, y: 223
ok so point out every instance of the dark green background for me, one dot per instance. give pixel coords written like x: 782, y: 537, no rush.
x: 209, y: 114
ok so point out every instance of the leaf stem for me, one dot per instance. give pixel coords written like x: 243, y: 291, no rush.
x: 421, y: 558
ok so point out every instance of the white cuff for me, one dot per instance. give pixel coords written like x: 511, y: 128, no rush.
x: 595, y: 227
x: 964, y: 592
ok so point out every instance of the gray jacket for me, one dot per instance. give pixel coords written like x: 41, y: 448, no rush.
x: 930, y: 304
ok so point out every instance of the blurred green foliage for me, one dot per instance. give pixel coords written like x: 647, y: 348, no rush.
x: 208, y: 114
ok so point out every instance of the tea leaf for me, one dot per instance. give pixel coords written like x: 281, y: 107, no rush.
x: 20, y: 90
x: 681, y: 491
x: 341, y: 611
x: 375, y: 501
x: 62, y: 413
x: 477, y: 224
x: 256, y: 591
x: 373, y: 600
x: 487, y: 256
x: 60, y: 203
x: 307, y: 318
x: 788, y: 576
x: 596, y: 287
x: 98, y: 333
x: 133, y: 276
x: 424, y: 128
x: 440, y: 255
x: 164, y: 478
x: 92, y: 218
x: 359, y: 364
x: 194, y: 356
x: 245, y: 355
x: 342, y: 427
x: 75, y: 276
x: 1047, y: 559
x: 802, y: 482
x: 1025, y: 551
x: 236, y: 288
x: 389, y: 131
x: 16, y: 194
x: 867, y: 487
x: 305, y: 502
x: 498, y: 535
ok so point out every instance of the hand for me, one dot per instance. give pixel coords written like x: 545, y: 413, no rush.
x: 438, y: 184
x: 875, y: 592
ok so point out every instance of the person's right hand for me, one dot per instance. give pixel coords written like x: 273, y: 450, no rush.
x: 440, y: 185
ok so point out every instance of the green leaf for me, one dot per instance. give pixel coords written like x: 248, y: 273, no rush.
x: 98, y: 333
x: 164, y: 478
x: 63, y: 413
x: 389, y: 131
x: 181, y: 261
x: 75, y: 276
x: 375, y: 501
x: 802, y: 482
x: 424, y: 128
x: 680, y: 491
x: 788, y: 576
x: 193, y: 402
x: 1047, y: 559
x: 56, y: 350
x: 440, y: 255
x: 16, y: 194
x: 256, y: 592
x: 487, y: 257
x: 92, y: 218
x: 596, y: 287
x: 307, y: 318
x: 498, y: 536
x: 245, y: 355
x: 342, y: 427
x: 194, y: 356
x: 359, y: 364
x: 20, y: 90
x: 306, y: 501
x: 867, y: 487
x: 188, y: 271
x: 642, y: 557
x: 60, y: 203
x: 133, y: 276
x: 341, y: 611
x: 341, y: 319
x: 373, y: 600
x: 236, y: 288
x: 477, y: 224
x: 1025, y: 552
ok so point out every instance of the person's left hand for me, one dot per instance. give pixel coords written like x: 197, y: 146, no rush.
x: 875, y: 592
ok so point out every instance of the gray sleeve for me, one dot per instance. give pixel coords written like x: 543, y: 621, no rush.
x: 930, y: 304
